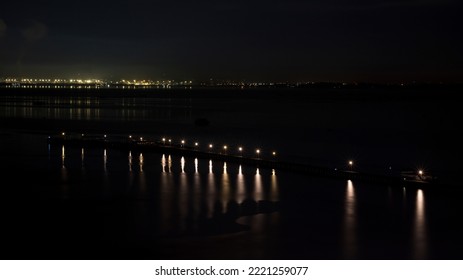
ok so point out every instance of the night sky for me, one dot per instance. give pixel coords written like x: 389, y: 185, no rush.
x: 294, y: 40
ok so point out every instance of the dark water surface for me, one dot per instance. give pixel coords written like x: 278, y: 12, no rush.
x: 67, y: 202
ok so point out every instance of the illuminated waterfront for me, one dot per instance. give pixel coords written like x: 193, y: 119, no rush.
x: 165, y: 204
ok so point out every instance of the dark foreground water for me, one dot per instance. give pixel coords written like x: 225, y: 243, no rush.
x: 67, y: 202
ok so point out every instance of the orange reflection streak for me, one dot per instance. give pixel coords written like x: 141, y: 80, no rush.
x: 163, y: 163
x: 274, y: 191
x: 225, y: 190
x: 350, y: 222
x: 182, y: 164
x: 210, y: 191
x: 105, y: 161
x: 258, y: 192
x: 140, y: 159
x: 419, y: 227
x: 240, y: 186
x: 63, y: 156
x: 82, y: 157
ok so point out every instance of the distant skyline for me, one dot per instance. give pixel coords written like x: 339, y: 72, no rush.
x: 295, y: 40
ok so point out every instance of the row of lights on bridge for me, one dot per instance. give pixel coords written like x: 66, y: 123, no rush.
x: 225, y: 148
x: 210, y: 146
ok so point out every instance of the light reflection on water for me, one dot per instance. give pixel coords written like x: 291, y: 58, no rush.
x: 63, y: 156
x: 419, y: 227
x: 210, y: 191
x: 274, y: 191
x: 105, y: 161
x: 64, y: 174
x: 142, y: 175
x: 350, y: 222
x: 258, y: 188
x: 82, y: 157
x: 187, y: 195
x: 94, y: 108
x: 240, y: 186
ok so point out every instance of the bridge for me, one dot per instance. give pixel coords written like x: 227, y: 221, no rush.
x: 142, y: 145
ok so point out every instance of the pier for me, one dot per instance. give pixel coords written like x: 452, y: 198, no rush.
x: 163, y: 145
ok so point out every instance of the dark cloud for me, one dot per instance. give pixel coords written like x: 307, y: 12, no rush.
x: 34, y: 31
x: 280, y: 39
x: 2, y: 28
